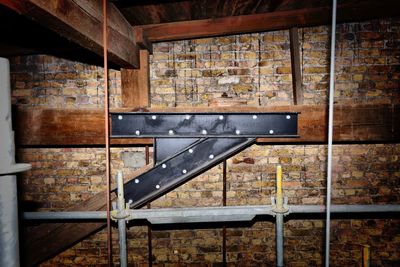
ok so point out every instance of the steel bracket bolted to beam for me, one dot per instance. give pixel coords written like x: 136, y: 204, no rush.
x: 188, y: 144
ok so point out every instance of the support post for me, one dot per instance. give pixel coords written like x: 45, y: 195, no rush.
x: 121, y: 222
x: 330, y: 136
x: 9, y: 242
x: 279, y: 218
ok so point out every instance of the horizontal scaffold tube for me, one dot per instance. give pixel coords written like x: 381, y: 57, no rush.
x: 207, y: 214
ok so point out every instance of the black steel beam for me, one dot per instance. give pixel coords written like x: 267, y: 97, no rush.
x: 200, y: 125
x: 181, y: 167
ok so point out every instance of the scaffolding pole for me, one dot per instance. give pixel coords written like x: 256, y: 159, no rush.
x: 9, y: 243
x: 330, y: 136
x: 208, y: 214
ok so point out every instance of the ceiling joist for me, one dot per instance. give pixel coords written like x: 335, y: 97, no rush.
x: 81, y: 22
x: 278, y: 20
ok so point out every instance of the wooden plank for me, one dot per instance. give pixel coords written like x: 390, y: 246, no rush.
x: 48, y: 239
x: 357, y: 123
x: 347, y: 11
x: 296, y: 66
x: 135, y: 84
x: 81, y: 22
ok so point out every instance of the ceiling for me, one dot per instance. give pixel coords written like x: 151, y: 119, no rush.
x: 27, y: 37
x: 141, y: 12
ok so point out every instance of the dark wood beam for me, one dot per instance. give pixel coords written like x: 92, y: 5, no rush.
x: 48, y: 239
x: 296, y: 66
x: 347, y: 12
x: 135, y: 84
x: 81, y: 22
x: 359, y: 123
x: 141, y: 39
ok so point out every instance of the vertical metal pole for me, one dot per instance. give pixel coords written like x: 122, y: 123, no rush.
x: 279, y: 218
x: 121, y: 222
x: 224, y: 204
x: 107, y: 133
x: 279, y: 239
x: 9, y: 243
x: 330, y: 136
x: 149, y: 233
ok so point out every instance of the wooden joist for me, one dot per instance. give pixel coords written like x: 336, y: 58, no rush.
x: 81, y: 22
x: 346, y: 12
x: 352, y: 123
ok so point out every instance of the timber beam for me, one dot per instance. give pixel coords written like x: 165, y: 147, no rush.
x: 279, y: 20
x: 81, y: 21
x: 352, y: 123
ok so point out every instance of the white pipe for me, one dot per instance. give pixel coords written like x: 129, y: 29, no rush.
x: 9, y: 243
x: 330, y: 136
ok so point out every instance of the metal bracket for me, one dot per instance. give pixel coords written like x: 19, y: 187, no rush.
x: 188, y: 144
x: 282, y: 210
x: 124, y: 214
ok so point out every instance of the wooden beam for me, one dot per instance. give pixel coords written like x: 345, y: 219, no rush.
x: 141, y: 39
x: 357, y: 123
x: 63, y: 127
x: 135, y: 84
x: 347, y: 11
x: 46, y: 240
x: 81, y: 22
x: 296, y: 66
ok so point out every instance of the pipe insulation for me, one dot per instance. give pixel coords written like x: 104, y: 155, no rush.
x: 9, y: 244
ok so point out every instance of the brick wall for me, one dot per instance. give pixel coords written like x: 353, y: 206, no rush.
x: 251, y: 69
x: 254, y: 69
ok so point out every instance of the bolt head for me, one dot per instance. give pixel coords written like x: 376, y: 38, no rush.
x: 211, y: 156
x: 187, y: 117
x: 288, y: 117
x: 158, y: 186
x: 171, y: 132
x: 221, y: 117
x: 271, y: 131
x: 184, y: 171
x: 190, y: 151
x: 136, y: 181
x: 204, y: 132
x: 120, y: 117
x: 164, y: 166
x: 237, y: 132
x: 255, y: 117
x: 153, y: 117
x: 137, y: 132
